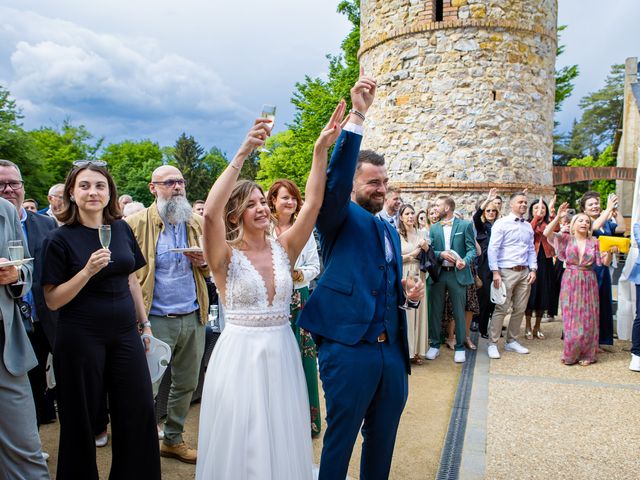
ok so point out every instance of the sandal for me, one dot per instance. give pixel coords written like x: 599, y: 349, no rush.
x: 584, y: 363
x: 528, y: 335
x: 417, y: 360
x: 469, y: 344
x: 451, y: 343
x: 538, y: 334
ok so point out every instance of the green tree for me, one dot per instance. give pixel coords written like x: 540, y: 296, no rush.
x: 290, y: 152
x: 564, y: 76
x: 60, y: 147
x: 131, y: 163
x: 605, y: 159
x: 17, y: 146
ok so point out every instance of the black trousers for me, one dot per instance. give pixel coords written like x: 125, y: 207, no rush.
x: 484, y: 294
x: 43, y: 398
x: 88, y: 361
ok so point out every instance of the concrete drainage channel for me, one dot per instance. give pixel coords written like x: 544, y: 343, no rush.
x: 450, y: 459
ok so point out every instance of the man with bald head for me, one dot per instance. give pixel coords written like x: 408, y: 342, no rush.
x: 175, y: 295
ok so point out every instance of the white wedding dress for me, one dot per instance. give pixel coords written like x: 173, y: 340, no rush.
x: 254, y: 416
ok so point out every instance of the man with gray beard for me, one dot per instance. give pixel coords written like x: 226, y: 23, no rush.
x: 175, y: 295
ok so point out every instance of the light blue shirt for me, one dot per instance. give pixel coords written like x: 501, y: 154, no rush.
x: 175, y: 287
x: 634, y: 276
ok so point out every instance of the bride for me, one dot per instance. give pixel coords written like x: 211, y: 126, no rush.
x: 254, y: 418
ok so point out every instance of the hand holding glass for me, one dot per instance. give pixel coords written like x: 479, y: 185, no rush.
x: 411, y: 280
x: 268, y: 112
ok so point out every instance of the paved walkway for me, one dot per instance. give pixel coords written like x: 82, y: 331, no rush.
x: 531, y: 417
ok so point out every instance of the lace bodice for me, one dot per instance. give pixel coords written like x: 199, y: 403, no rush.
x: 246, y: 293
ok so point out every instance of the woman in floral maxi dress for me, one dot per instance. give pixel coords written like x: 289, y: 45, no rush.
x: 579, y: 300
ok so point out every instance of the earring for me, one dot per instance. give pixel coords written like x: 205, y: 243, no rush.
x: 72, y: 198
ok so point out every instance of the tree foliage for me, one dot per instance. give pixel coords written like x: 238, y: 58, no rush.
x: 564, y: 76
x: 17, y: 146
x: 290, y: 152
x: 131, y: 163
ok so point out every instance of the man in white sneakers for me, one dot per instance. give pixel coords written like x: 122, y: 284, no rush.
x: 512, y: 259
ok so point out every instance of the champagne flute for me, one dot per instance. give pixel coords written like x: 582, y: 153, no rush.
x: 104, y: 233
x: 411, y: 280
x: 268, y: 112
x: 16, y: 252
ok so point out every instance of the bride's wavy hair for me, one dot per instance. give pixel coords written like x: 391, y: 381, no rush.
x: 235, y: 207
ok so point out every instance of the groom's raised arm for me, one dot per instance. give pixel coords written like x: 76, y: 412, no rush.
x: 342, y: 167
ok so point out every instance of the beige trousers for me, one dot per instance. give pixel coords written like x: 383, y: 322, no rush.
x: 517, y: 297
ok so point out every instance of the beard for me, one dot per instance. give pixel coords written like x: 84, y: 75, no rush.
x: 174, y: 209
x: 369, y: 203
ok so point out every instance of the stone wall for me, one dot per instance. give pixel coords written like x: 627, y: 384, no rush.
x: 466, y: 103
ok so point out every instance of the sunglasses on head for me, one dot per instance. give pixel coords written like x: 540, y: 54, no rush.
x: 84, y: 163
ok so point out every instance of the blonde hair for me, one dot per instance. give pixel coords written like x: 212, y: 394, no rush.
x: 235, y: 207
x: 573, y: 222
x: 491, y: 203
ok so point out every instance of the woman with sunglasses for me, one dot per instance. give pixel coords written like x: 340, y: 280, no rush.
x: 483, y: 219
x: 98, y: 346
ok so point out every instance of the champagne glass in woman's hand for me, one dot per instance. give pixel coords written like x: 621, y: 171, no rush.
x: 410, y: 282
x: 332, y: 131
x: 16, y: 252
x: 104, y: 233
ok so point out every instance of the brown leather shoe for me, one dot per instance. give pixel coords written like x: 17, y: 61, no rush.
x: 181, y: 451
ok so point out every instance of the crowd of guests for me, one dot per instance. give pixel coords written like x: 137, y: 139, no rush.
x: 85, y: 299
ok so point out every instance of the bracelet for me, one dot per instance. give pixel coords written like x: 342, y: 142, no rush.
x: 358, y: 114
x: 231, y: 164
x: 145, y: 324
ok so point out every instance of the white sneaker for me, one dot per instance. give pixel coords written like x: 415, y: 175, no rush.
x: 45, y: 455
x: 102, y: 439
x: 515, y: 347
x: 432, y: 353
x: 635, y: 363
x: 160, y: 432
x: 459, y: 356
x: 492, y: 351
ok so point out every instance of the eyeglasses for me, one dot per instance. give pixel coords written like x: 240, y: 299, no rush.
x: 172, y: 183
x: 491, y: 211
x: 84, y: 163
x: 14, y: 185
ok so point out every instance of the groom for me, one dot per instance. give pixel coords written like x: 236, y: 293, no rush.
x: 353, y: 313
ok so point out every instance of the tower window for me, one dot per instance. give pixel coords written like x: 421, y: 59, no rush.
x: 439, y: 10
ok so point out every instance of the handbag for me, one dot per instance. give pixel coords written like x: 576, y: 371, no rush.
x: 476, y: 278
x: 428, y: 263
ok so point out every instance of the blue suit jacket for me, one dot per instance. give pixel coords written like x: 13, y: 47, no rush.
x: 343, y: 303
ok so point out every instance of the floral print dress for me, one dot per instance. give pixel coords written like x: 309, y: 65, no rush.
x: 579, y: 299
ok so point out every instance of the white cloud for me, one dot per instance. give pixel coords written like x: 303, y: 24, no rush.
x: 59, y: 70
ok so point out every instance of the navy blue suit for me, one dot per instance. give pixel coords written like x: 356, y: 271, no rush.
x: 355, y: 300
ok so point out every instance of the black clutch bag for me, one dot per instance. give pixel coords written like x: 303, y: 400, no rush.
x: 429, y: 263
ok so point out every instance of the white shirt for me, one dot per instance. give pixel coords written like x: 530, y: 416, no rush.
x: 308, y: 263
x: 511, y: 244
x: 446, y: 229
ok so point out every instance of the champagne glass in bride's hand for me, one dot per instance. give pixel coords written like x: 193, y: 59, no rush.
x: 410, y: 281
x: 16, y: 252
x: 104, y: 233
x: 268, y: 112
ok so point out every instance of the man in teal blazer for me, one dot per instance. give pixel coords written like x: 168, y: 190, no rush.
x: 453, y: 243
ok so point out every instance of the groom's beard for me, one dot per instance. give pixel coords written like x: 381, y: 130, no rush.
x: 174, y: 210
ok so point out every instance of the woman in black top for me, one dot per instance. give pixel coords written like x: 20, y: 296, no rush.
x: 98, y: 346
x: 483, y: 220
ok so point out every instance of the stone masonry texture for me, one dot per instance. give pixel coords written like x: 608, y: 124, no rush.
x: 466, y: 103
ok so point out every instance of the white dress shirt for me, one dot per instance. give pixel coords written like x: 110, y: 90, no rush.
x: 511, y: 244
x: 446, y: 229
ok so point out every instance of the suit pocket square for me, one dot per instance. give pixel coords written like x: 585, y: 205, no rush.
x: 459, y: 233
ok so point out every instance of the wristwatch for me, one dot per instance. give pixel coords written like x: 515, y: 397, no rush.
x: 145, y: 324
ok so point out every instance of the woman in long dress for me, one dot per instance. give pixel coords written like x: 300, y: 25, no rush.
x: 285, y: 201
x: 412, y: 243
x: 579, y: 299
x: 603, y: 224
x: 254, y: 418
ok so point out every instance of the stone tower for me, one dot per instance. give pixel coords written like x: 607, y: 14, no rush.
x: 466, y: 94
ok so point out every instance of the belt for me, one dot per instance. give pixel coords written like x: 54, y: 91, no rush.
x: 176, y: 315
x: 382, y: 337
x: 448, y: 269
x: 518, y: 268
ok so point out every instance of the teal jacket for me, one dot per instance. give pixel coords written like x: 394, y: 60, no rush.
x: 462, y: 242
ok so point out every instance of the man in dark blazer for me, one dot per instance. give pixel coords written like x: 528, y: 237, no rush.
x: 454, y: 245
x: 35, y: 227
x: 20, y: 448
x: 353, y: 312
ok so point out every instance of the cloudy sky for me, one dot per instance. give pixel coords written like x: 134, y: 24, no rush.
x: 155, y: 68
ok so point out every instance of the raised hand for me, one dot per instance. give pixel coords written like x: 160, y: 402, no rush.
x: 493, y: 193
x: 332, y: 131
x: 255, y: 137
x: 562, y: 209
x: 363, y: 92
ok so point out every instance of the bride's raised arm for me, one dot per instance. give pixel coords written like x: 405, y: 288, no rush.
x: 294, y: 239
x: 217, y: 251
